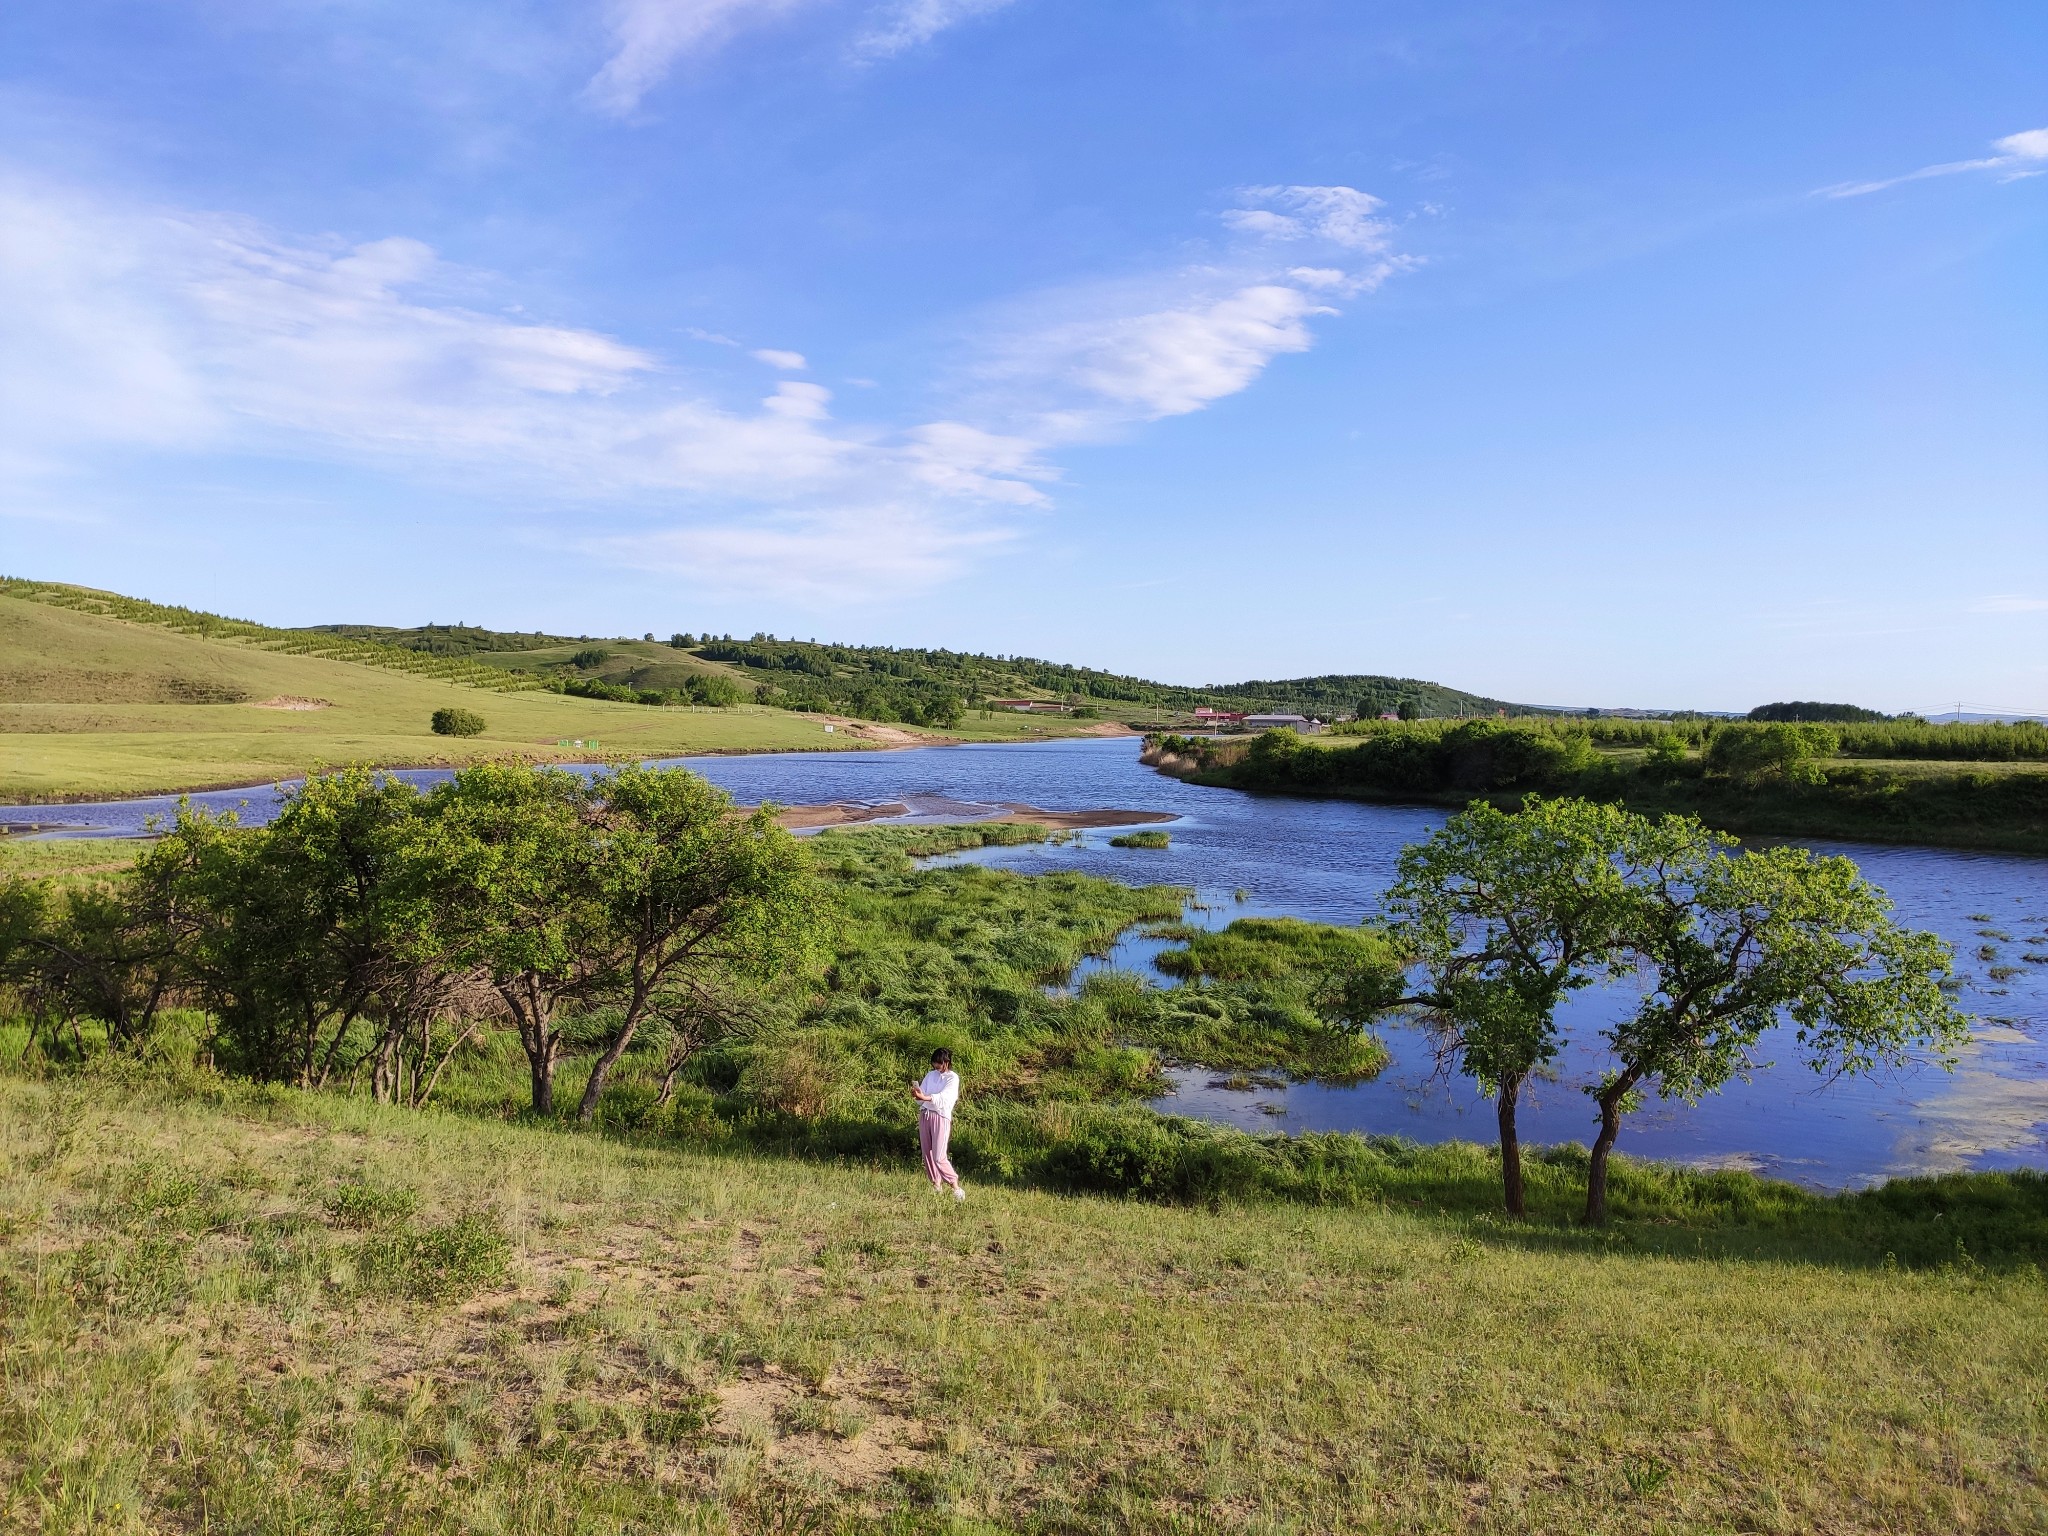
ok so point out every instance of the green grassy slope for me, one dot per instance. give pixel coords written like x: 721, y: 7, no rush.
x: 94, y: 705
x: 239, y: 1310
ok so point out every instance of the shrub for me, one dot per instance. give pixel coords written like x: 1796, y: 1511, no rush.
x: 437, y: 1263
x: 458, y: 722
x: 370, y: 1205
x: 806, y: 1076
x: 718, y: 692
x: 1778, y: 752
x: 1140, y: 840
x: 589, y: 660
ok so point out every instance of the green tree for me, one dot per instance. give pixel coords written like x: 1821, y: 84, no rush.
x: 520, y: 900
x: 1728, y: 946
x: 457, y: 722
x: 692, y: 895
x: 715, y: 690
x: 93, y: 952
x: 1507, y: 915
x: 303, y: 930
x: 1665, y: 759
x: 1779, y: 753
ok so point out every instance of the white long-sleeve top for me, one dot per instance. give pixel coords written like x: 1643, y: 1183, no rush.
x: 941, y: 1091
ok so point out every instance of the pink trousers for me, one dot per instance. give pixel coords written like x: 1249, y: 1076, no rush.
x: 932, y: 1131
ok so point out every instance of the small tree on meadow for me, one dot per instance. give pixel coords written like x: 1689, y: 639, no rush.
x: 521, y: 902
x: 1755, y: 755
x: 1508, y: 914
x: 457, y: 722
x: 299, y: 932
x: 692, y: 894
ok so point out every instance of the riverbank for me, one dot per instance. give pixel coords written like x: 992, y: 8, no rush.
x: 251, y: 1308
x: 843, y: 813
x: 2000, y: 807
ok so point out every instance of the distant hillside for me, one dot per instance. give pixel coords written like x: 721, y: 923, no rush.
x: 331, y: 645
x: 886, y: 682
x: 898, y: 685
x: 100, y: 696
x: 440, y: 639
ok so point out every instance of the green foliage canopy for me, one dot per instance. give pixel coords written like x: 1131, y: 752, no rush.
x: 1729, y: 946
x: 1507, y: 915
x: 458, y: 722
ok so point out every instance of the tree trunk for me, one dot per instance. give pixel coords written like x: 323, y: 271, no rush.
x: 586, y: 1111
x: 381, y: 1088
x: 1603, y: 1144
x: 1510, y: 1147
x: 593, y: 1089
x: 543, y: 1063
x: 532, y: 1013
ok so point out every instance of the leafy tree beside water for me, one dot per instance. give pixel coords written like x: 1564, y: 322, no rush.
x: 692, y: 896
x: 1508, y: 914
x: 1727, y: 946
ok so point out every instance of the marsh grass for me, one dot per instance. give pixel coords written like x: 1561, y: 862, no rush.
x: 1141, y: 840
x: 194, y: 1338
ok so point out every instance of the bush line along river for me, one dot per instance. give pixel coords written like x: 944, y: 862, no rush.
x: 1328, y: 860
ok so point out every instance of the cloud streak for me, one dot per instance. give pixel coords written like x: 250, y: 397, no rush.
x: 128, y: 328
x: 2010, y: 602
x: 1085, y: 364
x: 2018, y: 156
x: 911, y: 23
x: 651, y: 37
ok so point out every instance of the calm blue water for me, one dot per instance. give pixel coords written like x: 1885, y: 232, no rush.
x: 1328, y: 860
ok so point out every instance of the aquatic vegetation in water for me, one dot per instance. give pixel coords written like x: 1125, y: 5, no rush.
x: 1140, y: 840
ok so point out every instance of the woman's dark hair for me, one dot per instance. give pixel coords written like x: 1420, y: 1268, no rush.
x: 942, y: 1057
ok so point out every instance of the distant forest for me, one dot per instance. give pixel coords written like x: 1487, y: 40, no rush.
x: 923, y: 686
x: 920, y: 684
x: 443, y: 639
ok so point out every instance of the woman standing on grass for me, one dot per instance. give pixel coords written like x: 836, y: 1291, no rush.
x: 936, y: 1096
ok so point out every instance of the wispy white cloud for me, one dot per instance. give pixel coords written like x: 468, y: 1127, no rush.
x: 909, y: 23
x: 1172, y: 361
x: 828, y: 557
x: 2010, y: 602
x: 1343, y: 217
x: 1086, y: 363
x: 2018, y: 155
x: 650, y: 37
x: 126, y: 328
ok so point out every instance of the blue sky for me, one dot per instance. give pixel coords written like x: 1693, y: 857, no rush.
x: 1571, y: 352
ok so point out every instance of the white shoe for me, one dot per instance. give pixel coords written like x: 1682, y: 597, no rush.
x: 959, y: 1193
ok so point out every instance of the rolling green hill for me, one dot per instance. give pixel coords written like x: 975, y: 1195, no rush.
x: 94, y: 704
x: 885, y: 682
x: 107, y: 694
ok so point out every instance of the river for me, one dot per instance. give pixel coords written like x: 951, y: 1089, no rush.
x: 1329, y: 860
